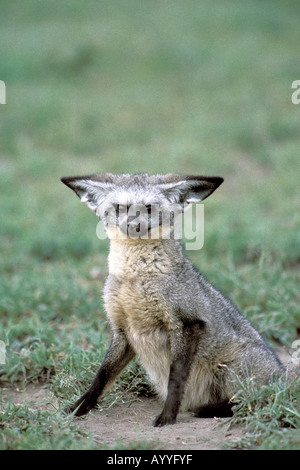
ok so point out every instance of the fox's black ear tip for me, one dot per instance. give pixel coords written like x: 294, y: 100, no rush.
x: 65, y: 180
x: 217, y: 181
x: 69, y: 181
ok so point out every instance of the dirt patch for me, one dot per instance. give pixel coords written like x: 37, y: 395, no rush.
x: 125, y: 423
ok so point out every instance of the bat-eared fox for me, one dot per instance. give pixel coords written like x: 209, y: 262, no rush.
x: 191, y: 340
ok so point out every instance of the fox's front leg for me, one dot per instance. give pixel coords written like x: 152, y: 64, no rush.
x: 117, y: 357
x: 183, y: 348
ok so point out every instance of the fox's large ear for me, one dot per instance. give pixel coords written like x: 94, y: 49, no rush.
x: 91, y: 189
x: 189, y: 188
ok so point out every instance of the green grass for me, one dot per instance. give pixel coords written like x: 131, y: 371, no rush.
x: 24, y: 428
x: 269, y: 413
x: 185, y: 86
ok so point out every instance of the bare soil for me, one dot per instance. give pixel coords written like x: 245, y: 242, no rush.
x: 123, y: 424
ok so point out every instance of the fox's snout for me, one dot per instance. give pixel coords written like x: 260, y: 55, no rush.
x: 134, y: 225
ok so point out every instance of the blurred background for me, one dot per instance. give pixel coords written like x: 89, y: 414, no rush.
x: 157, y: 86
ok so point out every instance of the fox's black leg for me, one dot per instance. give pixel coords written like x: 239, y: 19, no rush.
x: 183, y: 355
x: 116, y: 358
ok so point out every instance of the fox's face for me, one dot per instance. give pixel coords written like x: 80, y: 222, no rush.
x: 140, y: 206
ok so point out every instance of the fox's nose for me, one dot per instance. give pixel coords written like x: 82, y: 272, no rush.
x: 134, y: 225
x: 130, y: 218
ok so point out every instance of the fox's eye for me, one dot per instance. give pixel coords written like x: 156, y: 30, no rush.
x: 120, y: 208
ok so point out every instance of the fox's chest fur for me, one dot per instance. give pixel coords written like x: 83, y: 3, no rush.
x: 132, y: 294
x: 135, y: 304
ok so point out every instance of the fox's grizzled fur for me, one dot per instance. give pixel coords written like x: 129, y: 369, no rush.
x: 189, y: 337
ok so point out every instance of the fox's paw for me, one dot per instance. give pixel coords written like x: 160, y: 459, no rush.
x: 81, y: 407
x: 163, y: 420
